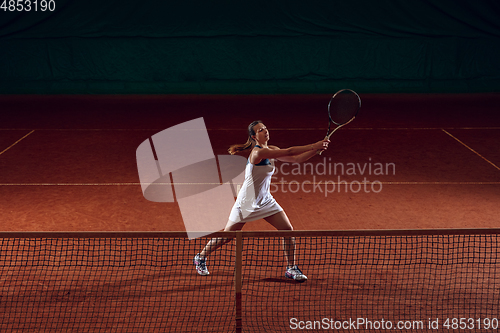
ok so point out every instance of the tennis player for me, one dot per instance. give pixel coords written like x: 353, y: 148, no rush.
x: 254, y: 199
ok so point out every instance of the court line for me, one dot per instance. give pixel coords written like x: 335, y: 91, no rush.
x: 472, y: 150
x: 274, y: 128
x: 277, y: 183
x: 15, y: 143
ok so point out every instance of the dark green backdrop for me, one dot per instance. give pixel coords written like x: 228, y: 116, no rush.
x: 194, y: 46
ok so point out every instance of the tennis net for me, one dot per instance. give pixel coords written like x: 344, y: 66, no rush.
x: 369, y: 281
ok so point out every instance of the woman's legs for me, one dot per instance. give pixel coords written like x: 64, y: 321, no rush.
x: 216, y: 243
x: 281, y: 222
x: 212, y: 245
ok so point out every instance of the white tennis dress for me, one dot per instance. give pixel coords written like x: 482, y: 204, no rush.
x: 255, y: 200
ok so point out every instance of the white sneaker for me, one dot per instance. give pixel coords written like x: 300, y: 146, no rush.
x: 295, y: 273
x: 201, y: 266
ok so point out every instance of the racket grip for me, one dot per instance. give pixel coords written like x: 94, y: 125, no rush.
x: 321, y: 151
x: 329, y: 135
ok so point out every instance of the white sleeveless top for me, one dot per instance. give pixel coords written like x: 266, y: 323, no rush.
x: 255, y: 200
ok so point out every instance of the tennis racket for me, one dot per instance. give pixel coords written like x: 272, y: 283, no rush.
x: 342, y: 109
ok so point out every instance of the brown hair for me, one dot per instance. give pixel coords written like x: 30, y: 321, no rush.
x: 250, y: 141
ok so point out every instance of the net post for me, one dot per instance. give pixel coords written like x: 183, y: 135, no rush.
x: 238, y: 282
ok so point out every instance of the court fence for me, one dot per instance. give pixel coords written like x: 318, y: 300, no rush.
x: 366, y: 280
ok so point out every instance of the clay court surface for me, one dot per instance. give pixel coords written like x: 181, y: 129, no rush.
x: 407, y: 162
x: 68, y: 162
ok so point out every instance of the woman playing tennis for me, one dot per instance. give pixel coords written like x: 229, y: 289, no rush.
x: 254, y: 199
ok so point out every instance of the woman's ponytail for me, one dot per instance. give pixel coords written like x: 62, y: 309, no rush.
x: 250, y: 141
x: 240, y: 147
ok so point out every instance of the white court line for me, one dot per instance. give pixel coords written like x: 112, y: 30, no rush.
x: 273, y: 128
x: 472, y: 150
x: 281, y: 182
x: 15, y: 143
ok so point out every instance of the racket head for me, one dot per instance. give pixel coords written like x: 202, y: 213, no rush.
x: 343, y: 107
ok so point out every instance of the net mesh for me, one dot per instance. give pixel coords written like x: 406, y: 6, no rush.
x: 402, y: 279
x: 113, y: 285
x: 148, y: 284
x: 343, y: 107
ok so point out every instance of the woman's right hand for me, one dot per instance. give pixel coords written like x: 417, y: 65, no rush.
x: 321, y: 145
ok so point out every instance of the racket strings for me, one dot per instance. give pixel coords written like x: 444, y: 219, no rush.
x: 343, y: 107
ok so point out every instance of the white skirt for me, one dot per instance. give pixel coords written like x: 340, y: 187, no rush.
x: 240, y: 214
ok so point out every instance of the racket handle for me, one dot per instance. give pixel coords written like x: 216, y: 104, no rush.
x: 329, y: 135
x: 326, y: 138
